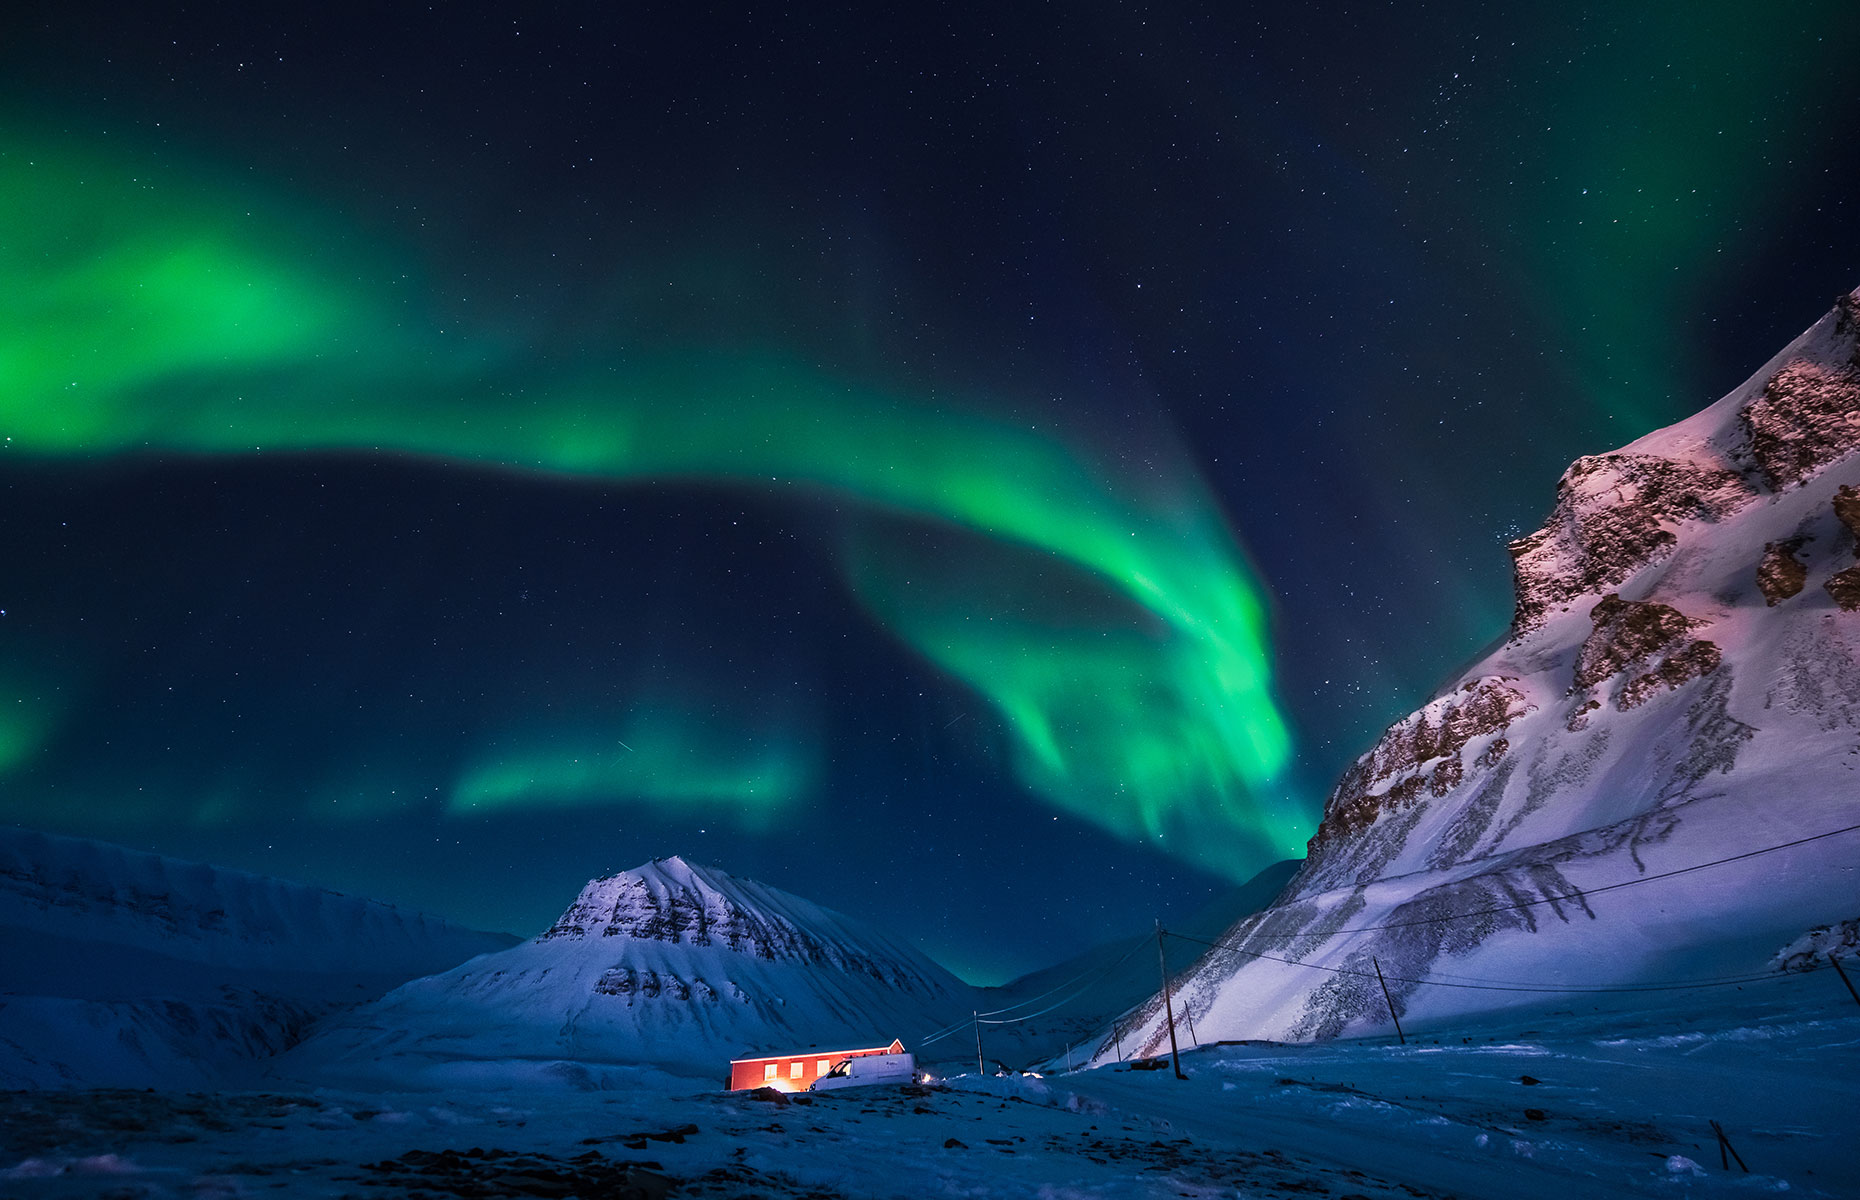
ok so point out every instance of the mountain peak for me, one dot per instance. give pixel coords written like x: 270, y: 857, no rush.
x: 668, y: 900
x: 669, y: 963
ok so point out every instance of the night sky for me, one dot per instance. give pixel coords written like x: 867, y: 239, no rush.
x: 986, y: 469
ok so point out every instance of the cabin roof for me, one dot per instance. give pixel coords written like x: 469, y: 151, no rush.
x: 824, y: 1052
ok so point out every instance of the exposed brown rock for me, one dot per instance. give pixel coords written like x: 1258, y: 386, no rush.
x: 1630, y: 634
x: 1780, y: 574
x: 1696, y: 660
x: 1611, y: 518
x: 1579, y: 719
x: 1480, y: 707
x: 1627, y: 632
x: 1845, y: 588
x: 1847, y: 318
x: 1435, y: 735
x: 1807, y: 416
x: 1492, y: 753
x: 1847, y: 508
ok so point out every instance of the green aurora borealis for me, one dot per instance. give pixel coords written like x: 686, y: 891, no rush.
x: 450, y: 452
x: 1114, y: 624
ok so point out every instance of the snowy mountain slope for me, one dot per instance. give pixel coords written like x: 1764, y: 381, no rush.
x: 1681, y: 685
x: 123, y: 968
x: 670, y: 964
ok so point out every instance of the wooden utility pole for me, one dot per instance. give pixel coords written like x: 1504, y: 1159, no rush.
x: 977, y: 1018
x: 1839, y: 970
x: 1389, y: 1002
x: 1175, y: 1055
x: 1726, y: 1151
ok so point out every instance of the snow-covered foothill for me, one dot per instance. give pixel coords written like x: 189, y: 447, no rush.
x: 123, y: 968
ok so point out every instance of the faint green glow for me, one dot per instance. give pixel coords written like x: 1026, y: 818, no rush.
x: 27, y: 717
x: 1664, y: 158
x: 675, y: 761
x: 139, y: 313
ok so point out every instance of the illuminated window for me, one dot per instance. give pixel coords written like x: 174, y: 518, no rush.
x: 768, y: 1072
x: 795, y: 1069
x: 821, y: 1067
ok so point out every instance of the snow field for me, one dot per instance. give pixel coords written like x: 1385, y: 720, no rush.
x: 1564, y: 1102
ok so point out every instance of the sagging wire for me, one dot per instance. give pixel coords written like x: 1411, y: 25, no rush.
x: 1578, y: 894
x: 1501, y: 986
x: 983, y: 1018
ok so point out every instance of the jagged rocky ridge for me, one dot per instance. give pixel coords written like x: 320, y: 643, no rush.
x: 1681, y: 683
x: 670, y: 964
x: 639, y: 905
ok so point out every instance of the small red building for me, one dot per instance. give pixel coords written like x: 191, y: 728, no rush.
x: 794, y: 1072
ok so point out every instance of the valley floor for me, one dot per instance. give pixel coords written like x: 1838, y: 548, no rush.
x: 1567, y: 1103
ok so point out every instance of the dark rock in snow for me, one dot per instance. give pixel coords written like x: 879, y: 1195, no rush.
x: 1614, y: 514
x: 1845, y: 588
x: 1847, y: 509
x: 1435, y: 735
x: 1626, y: 634
x: 1808, y: 416
x: 1780, y: 574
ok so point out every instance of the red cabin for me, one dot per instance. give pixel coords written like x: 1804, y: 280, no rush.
x: 795, y: 1072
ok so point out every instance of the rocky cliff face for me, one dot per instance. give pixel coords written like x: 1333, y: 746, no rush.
x: 673, y: 902
x: 1615, y: 514
x: 1681, y: 684
x: 1426, y: 754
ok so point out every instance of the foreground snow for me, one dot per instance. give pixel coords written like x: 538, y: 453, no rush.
x: 1621, y: 1105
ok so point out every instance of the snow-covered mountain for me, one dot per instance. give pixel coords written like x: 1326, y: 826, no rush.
x: 1681, y: 685
x: 670, y: 964
x: 122, y: 968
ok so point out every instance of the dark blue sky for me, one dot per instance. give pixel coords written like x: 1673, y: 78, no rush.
x: 1359, y: 282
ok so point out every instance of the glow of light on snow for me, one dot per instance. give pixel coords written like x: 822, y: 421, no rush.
x: 142, y: 310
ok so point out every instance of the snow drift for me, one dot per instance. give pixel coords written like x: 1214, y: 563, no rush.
x: 1681, y: 685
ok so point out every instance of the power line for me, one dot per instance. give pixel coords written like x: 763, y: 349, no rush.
x: 1472, y: 984
x: 1578, y: 894
x: 1075, y: 995
x: 1560, y: 989
x: 1068, y: 983
x: 951, y: 1030
x: 1446, y: 976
